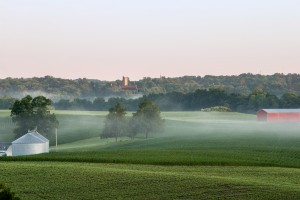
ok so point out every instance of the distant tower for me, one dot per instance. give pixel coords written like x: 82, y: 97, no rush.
x: 126, y: 86
x: 125, y: 81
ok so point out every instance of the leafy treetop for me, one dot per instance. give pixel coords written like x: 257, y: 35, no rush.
x: 30, y: 113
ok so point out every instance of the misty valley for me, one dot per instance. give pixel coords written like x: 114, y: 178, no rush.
x: 197, y: 155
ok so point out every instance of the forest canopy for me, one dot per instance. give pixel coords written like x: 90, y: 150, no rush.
x: 57, y: 88
x: 243, y: 93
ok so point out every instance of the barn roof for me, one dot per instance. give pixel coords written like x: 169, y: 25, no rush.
x: 281, y: 110
x: 28, y: 138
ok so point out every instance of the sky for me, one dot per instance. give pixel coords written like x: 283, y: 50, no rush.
x: 101, y: 39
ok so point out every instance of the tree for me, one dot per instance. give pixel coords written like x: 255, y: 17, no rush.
x: 115, y: 123
x: 30, y: 113
x: 290, y: 100
x: 6, y: 194
x: 147, y: 118
x: 99, y: 104
x: 257, y: 99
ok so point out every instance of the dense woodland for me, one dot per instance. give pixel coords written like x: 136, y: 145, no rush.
x: 57, y: 88
x: 243, y: 93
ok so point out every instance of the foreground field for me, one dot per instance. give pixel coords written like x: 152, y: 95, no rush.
x: 53, y: 180
x: 198, y: 156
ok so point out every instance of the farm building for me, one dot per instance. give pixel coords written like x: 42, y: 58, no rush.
x: 292, y: 115
x: 125, y: 85
x: 30, y: 143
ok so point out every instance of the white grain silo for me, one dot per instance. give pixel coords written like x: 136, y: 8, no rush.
x: 30, y: 143
x: 35, y: 133
x: 9, y: 151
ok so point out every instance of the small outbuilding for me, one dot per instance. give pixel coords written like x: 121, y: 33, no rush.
x: 30, y: 143
x: 288, y: 115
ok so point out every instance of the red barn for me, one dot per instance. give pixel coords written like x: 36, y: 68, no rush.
x: 289, y: 115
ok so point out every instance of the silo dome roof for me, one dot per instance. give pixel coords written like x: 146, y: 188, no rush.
x: 35, y: 133
x: 28, y: 138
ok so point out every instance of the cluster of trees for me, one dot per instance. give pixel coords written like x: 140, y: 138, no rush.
x: 145, y: 120
x: 57, y: 88
x: 33, y: 113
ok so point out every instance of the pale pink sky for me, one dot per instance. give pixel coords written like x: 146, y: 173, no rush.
x: 108, y: 39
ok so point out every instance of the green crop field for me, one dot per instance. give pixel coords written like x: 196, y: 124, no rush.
x: 60, y: 180
x: 198, y: 156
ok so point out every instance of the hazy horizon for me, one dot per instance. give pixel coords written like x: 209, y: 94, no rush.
x: 132, y: 79
x: 106, y: 40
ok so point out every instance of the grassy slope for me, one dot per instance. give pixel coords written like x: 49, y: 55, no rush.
x: 190, y: 138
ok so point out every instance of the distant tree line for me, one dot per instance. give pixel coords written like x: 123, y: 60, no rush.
x: 57, y: 88
x: 176, y: 101
x: 194, y: 101
x: 98, y: 104
x: 6, y: 102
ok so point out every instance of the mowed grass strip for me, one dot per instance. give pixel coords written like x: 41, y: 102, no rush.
x: 52, y: 180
